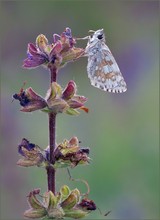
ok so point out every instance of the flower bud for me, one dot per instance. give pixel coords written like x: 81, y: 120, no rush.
x: 33, y: 201
x: 50, y: 200
x: 65, y: 191
x: 54, y: 90
x: 42, y: 43
x: 74, y: 141
x: 68, y: 34
x: 70, y: 201
x: 69, y: 91
x: 54, y: 101
x: 76, y: 192
x: 56, y: 49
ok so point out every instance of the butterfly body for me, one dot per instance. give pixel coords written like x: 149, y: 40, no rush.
x: 102, y: 68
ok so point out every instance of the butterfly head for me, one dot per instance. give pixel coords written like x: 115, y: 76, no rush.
x: 97, y: 36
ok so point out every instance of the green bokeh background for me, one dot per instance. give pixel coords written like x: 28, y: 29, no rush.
x: 121, y: 129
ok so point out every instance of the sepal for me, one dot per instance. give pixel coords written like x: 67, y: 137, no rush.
x: 69, y: 91
x: 42, y: 43
x: 64, y: 101
x: 71, y: 200
x: 35, y: 213
x: 32, y: 155
x: 50, y: 200
x: 66, y: 203
x: 33, y: 201
x: 70, y: 154
x: 64, y: 191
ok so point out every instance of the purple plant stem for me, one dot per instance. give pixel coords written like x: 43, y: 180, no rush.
x: 51, y: 172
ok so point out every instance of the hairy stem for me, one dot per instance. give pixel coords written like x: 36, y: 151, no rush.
x: 52, y: 140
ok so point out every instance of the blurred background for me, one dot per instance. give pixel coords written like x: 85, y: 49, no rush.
x: 121, y: 129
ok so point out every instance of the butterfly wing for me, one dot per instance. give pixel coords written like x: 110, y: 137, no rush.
x: 103, y: 70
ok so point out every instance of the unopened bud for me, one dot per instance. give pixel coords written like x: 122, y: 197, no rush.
x: 33, y: 201
x: 42, y: 43
x: 52, y: 200
x: 69, y: 91
x: 65, y: 191
x: 70, y: 201
x: 74, y: 141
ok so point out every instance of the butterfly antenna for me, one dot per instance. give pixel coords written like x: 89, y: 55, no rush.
x: 91, y: 31
x: 87, y: 37
x: 82, y: 38
x: 80, y: 180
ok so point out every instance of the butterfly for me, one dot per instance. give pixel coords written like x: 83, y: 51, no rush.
x: 102, y: 68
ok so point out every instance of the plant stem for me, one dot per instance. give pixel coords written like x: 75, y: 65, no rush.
x: 52, y: 140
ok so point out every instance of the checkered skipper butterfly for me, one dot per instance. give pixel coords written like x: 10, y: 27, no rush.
x: 102, y: 68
